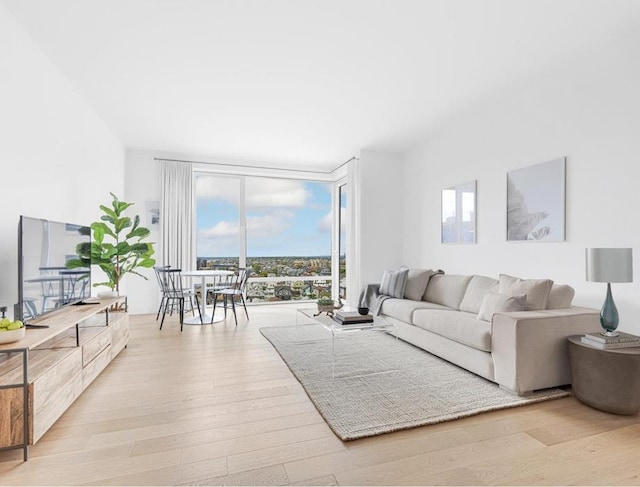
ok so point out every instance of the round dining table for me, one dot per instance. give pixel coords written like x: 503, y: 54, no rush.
x: 203, y: 274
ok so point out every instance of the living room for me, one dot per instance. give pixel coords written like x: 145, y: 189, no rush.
x: 61, y: 160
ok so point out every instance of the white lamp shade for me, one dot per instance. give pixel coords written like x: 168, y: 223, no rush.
x: 609, y: 265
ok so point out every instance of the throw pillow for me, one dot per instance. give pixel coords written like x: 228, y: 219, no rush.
x: 560, y: 297
x: 394, y: 283
x: 417, y: 280
x: 537, y: 290
x: 500, y: 303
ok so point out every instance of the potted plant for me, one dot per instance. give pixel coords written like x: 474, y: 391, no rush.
x: 326, y: 305
x: 117, y: 246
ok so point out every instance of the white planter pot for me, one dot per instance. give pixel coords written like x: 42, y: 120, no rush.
x: 111, y: 293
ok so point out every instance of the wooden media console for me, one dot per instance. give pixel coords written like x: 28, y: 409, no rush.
x: 52, y: 366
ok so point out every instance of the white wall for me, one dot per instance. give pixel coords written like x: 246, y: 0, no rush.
x: 379, y: 240
x: 142, y: 186
x: 59, y: 161
x: 587, y: 109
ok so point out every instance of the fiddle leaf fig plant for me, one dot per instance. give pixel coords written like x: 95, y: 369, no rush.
x: 117, y: 246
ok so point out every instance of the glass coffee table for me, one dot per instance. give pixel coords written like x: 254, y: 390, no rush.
x: 311, y: 316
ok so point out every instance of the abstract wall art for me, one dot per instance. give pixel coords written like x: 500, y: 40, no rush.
x: 536, y: 202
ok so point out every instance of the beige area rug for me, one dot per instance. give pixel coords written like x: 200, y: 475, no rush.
x: 382, y: 384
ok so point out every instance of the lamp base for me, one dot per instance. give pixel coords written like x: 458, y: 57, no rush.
x: 609, y: 315
x: 610, y: 333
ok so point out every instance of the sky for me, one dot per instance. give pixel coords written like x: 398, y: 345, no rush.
x: 284, y: 217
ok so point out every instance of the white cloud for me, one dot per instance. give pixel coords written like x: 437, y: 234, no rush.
x: 260, y: 192
x: 218, y: 187
x: 221, y: 229
x: 325, y: 224
x: 272, y: 193
x: 268, y: 225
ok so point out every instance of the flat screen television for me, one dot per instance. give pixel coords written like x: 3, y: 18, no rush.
x: 54, y: 266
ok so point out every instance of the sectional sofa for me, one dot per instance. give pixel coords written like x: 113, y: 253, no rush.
x: 509, y: 330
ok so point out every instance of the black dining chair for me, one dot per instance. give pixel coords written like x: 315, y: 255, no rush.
x: 174, y: 294
x: 233, y: 287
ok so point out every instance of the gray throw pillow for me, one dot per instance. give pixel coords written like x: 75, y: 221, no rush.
x: 417, y: 280
x: 500, y: 303
x: 394, y: 283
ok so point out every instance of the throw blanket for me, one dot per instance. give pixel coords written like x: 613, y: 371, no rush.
x: 371, y: 298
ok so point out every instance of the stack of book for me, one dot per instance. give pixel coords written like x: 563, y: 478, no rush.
x: 604, y: 342
x: 352, y: 318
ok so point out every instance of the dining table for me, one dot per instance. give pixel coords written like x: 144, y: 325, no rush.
x: 203, y: 318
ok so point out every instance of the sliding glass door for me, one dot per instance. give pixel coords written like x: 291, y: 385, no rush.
x: 279, y: 228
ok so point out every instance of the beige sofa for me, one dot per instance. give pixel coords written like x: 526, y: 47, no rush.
x: 469, y: 321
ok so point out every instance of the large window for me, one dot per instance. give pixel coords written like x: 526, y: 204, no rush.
x: 279, y: 228
x: 342, y: 240
x: 218, y: 222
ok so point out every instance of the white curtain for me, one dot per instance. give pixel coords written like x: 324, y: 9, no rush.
x: 176, y: 214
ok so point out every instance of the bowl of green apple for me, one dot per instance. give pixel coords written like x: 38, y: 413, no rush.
x: 11, y: 331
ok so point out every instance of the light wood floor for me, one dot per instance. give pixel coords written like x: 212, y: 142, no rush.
x: 215, y: 405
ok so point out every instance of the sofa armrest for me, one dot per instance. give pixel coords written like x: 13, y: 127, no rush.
x: 530, y: 349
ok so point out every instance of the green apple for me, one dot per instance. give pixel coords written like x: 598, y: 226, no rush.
x: 4, y: 322
x: 16, y: 325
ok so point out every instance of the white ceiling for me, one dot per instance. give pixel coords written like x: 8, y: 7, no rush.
x: 302, y: 83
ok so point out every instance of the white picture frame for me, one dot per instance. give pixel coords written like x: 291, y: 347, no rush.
x: 536, y: 202
x: 458, y: 223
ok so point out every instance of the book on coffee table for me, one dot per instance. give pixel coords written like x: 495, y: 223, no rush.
x: 352, y: 318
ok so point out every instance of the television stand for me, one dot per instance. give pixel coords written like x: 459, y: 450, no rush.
x: 45, y: 372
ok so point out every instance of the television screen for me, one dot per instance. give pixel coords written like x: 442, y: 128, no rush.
x: 54, y: 267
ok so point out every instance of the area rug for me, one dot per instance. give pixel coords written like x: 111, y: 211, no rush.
x: 382, y: 384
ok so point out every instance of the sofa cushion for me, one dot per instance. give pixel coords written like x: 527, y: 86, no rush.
x: 417, y: 280
x: 458, y: 326
x: 537, y: 290
x: 560, y: 297
x: 500, y: 303
x: 478, y: 287
x: 394, y: 283
x: 402, y: 309
x: 447, y: 289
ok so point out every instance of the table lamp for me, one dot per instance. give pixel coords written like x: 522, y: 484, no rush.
x: 609, y: 265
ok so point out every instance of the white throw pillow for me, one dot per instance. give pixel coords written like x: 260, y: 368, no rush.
x: 500, y: 303
x: 560, y: 297
x: 537, y: 290
x: 394, y: 283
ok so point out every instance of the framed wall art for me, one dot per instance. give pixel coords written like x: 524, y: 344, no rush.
x: 536, y: 202
x: 459, y: 213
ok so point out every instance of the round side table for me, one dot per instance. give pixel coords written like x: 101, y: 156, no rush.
x: 608, y: 380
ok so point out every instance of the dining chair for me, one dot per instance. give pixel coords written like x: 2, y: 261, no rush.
x: 233, y: 287
x: 160, y: 285
x: 175, y: 294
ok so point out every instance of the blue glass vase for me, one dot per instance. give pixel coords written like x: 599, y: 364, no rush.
x: 609, y: 318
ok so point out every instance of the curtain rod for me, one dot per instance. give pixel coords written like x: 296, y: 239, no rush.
x: 247, y: 166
